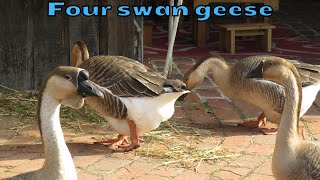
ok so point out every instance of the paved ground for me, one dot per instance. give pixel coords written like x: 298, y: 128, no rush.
x: 201, y: 142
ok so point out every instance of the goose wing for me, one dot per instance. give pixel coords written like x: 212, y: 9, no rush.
x: 125, y: 77
x: 309, y: 73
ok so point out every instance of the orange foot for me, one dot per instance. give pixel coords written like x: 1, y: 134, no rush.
x: 261, y: 121
x: 134, y: 139
x: 114, y: 143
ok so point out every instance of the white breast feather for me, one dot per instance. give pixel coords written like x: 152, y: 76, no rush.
x: 149, y: 112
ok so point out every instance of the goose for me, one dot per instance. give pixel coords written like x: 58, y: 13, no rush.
x: 63, y: 85
x: 267, y: 95
x: 136, y: 99
x: 293, y: 158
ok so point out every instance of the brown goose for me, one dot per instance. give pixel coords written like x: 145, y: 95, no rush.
x: 67, y: 86
x: 292, y: 158
x: 267, y: 95
x: 136, y: 99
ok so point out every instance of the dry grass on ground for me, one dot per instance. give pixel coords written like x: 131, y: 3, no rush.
x: 174, y: 142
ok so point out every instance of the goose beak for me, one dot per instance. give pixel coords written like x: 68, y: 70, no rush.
x: 87, y: 87
x: 257, y: 72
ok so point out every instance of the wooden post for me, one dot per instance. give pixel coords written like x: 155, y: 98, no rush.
x: 201, y: 33
x: 85, y: 28
x: 147, y: 35
x: 222, y: 39
x: 267, y: 40
x: 233, y: 41
x: 16, y: 47
x: 51, y: 43
x: 120, y: 31
x: 103, y: 36
x: 230, y: 41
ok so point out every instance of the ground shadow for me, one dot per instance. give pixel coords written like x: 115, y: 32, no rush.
x: 12, y: 151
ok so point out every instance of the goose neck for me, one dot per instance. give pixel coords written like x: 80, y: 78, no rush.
x: 220, y: 72
x: 287, y: 137
x: 57, y: 155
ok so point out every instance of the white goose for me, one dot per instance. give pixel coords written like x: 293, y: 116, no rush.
x: 67, y: 86
x: 292, y: 158
x: 267, y: 95
x: 136, y: 99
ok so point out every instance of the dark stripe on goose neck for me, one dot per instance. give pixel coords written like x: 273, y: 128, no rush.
x: 114, y: 106
x: 41, y: 90
x: 299, y: 84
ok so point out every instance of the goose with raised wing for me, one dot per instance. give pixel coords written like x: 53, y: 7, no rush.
x: 292, y: 158
x: 136, y: 99
x: 67, y: 86
x: 267, y: 95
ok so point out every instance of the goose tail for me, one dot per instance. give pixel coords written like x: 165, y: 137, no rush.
x: 174, y: 85
x: 309, y: 94
x: 79, y: 53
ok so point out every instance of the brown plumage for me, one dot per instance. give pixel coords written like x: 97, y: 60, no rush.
x: 110, y: 105
x: 267, y: 95
x: 124, y: 77
x: 292, y: 158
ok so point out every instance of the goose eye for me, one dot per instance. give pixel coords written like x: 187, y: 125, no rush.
x: 270, y: 63
x: 68, y: 77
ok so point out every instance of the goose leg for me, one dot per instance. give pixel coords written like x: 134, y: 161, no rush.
x: 134, y: 139
x: 261, y: 121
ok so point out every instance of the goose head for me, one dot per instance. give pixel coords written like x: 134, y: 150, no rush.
x: 70, y: 85
x: 195, y: 76
x: 276, y: 69
x: 215, y: 66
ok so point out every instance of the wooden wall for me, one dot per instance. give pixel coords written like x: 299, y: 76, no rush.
x: 31, y: 43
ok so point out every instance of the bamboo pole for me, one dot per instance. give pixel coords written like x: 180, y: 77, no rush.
x: 172, y: 31
x: 171, y: 3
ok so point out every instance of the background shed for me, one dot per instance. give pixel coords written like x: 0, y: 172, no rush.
x: 31, y: 43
